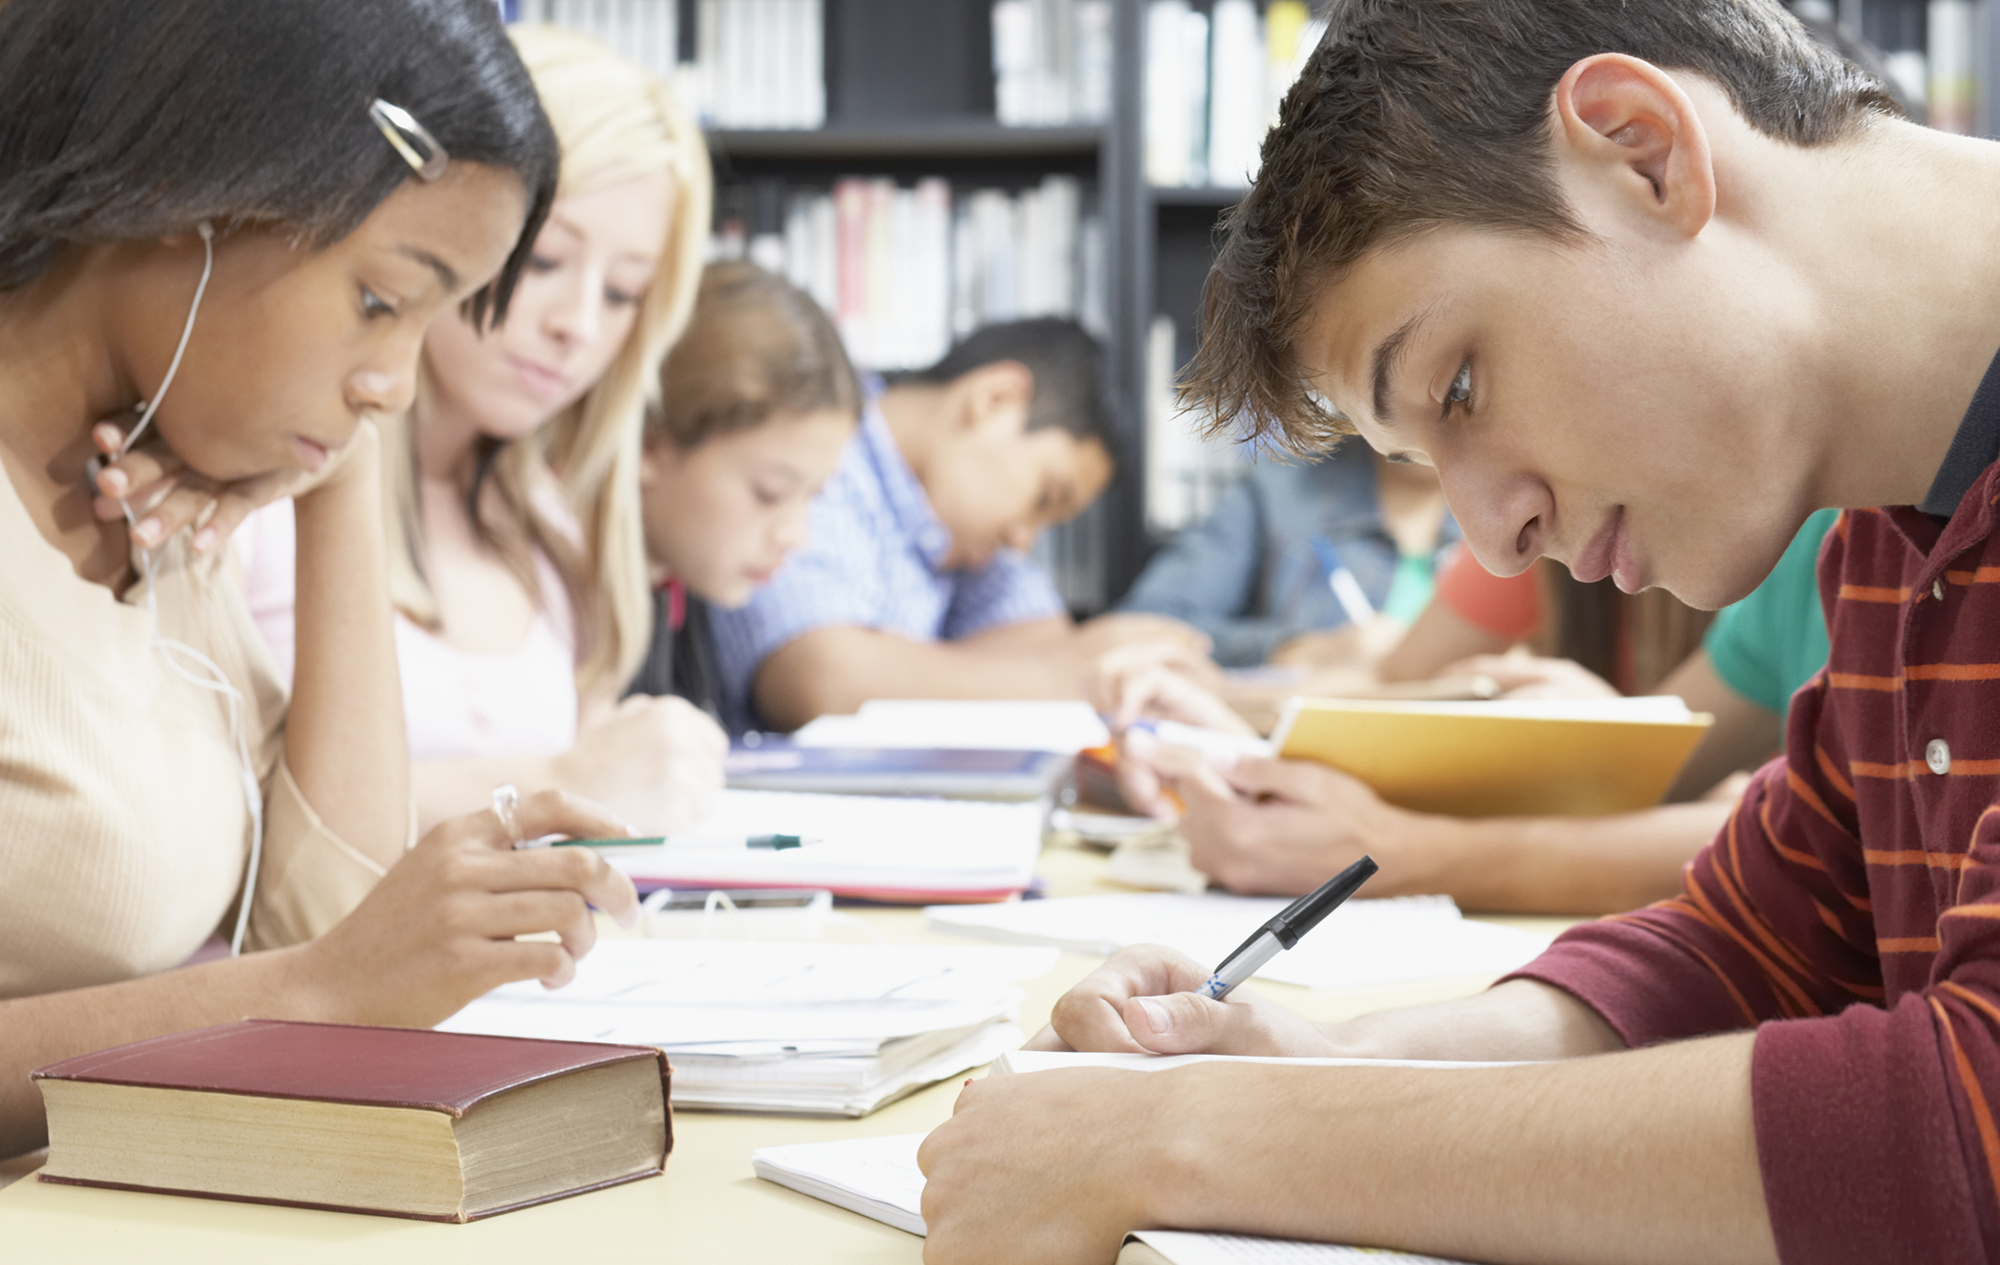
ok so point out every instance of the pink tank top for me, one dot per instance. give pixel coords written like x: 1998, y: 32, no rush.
x: 456, y: 704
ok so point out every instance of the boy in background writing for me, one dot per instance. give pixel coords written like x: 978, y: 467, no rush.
x: 915, y: 583
x: 1648, y: 284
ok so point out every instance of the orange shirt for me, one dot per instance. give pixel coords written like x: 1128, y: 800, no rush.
x: 1509, y: 607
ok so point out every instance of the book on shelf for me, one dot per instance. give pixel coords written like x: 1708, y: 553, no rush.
x: 1214, y: 80
x: 1952, y: 65
x: 647, y: 31
x: 395, y: 1121
x: 1052, y: 62
x: 755, y: 64
x: 906, y: 269
x: 1186, y: 472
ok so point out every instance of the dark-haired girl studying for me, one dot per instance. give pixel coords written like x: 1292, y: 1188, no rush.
x: 224, y: 226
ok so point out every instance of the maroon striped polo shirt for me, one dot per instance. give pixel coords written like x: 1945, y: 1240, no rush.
x: 1852, y: 908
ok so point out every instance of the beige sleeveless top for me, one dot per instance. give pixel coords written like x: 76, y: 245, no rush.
x: 124, y: 832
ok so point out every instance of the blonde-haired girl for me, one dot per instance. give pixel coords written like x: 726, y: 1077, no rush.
x: 517, y: 562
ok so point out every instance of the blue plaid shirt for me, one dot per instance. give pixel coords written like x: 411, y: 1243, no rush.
x: 875, y: 559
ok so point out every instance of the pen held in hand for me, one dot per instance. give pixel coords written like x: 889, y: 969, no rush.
x: 718, y: 843
x: 1285, y: 928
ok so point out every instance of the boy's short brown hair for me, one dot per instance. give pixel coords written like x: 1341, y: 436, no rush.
x: 1413, y: 114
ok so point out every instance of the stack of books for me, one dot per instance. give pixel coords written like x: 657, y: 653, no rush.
x: 753, y: 64
x: 905, y: 269
x: 1051, y: 62
x: 801, y: 1028
x: 1213, y: 84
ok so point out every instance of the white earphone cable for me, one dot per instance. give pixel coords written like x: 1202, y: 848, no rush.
x: 213, y: 679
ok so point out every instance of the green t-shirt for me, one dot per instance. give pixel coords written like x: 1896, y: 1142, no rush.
x: 1773, y: 641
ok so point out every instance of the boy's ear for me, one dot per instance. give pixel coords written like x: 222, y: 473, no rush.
x: 1626, y: 123
x: 996, y: 394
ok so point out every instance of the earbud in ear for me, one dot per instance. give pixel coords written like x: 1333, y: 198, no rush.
x: 207, y: 230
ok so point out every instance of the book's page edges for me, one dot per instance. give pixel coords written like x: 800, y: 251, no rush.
x: 371, y: 1212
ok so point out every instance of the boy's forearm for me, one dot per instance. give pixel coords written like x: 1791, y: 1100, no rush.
x: 1646, y: 1156
x: 835, y: 670
x: 1557, y: 865
x: 344, y: 735
x: 1520, y: 1021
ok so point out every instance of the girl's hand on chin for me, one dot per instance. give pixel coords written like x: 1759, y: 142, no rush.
x: 166, y: 496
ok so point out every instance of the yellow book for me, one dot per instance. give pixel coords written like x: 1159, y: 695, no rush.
x: 1501, y: 758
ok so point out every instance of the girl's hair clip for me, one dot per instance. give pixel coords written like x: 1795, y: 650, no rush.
x: 418, y: 147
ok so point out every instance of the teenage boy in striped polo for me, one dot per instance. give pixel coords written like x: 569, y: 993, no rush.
x: 1648, y: 283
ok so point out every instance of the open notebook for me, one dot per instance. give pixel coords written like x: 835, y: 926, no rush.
x: 879, y: 1178
x: 904, y: 850
x: 1368, y: 942
x: 1064, y: 726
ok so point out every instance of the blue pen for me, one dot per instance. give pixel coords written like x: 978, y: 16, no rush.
x: 1346, y: 589
x: 1285, y: 928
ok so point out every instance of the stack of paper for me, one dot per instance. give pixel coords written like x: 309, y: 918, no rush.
x: 1061, y: 725
x: 907, y: 850
x: 821, y: 1029
x: 1364, y: 943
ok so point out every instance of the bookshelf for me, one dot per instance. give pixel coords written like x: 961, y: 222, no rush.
x: 908, y: 89
x: 910, y: 94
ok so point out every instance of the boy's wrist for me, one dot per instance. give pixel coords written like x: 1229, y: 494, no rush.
x: 1425, y: 849
x: 1195, y: 1157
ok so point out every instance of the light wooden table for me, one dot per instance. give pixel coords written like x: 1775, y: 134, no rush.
x: 707, y: 1208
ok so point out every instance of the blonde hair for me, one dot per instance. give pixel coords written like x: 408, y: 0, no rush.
x: 616, y: 122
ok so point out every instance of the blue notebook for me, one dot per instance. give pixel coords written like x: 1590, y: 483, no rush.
x: 777, y: 765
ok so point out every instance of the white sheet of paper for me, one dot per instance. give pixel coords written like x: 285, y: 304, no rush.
x: 876, y: 1177
x: 1065, y: 726
x: 1185, y: 1248
x: 767, y: 998
x: 1363, y: 943
x: 879, y: 1178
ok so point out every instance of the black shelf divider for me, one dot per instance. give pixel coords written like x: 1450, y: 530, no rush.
x: 954, y: 141
x: 1219, y: 197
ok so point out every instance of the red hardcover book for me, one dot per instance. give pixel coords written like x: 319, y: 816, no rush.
x: 395, y: 1121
